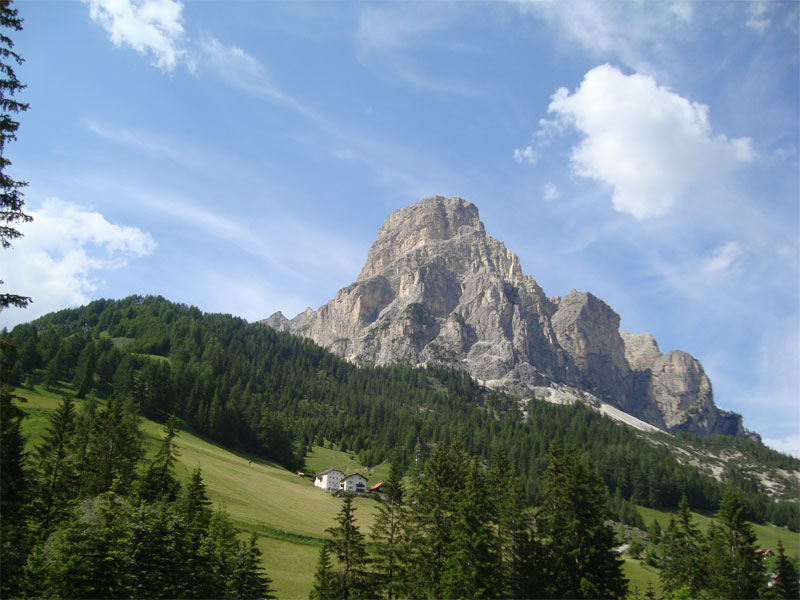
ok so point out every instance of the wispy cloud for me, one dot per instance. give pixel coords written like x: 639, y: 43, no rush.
x: 140, y: 140
x: 61, y: 260
x: 240, y: 70
x: 644, y: 141
x: 388, y: 38
x: 151, y: 27
x: 526, y: 155
x: 551, y: 192
x: 758, y: 15
x: 722, y: 258
x: 625, y: 31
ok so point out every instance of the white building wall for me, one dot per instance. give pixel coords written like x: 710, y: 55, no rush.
x: 329, y: 481
x: 351, y: 484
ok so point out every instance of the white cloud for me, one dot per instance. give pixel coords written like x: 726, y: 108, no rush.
x: 758, y: 15
x: 643, y: 140
x: 722, y: 258
x: 62, y: 256
x: 148, y: 26
x: 683, y: 10
x: 527, y: 154
x: 627, y: 31
x: 551, y: 192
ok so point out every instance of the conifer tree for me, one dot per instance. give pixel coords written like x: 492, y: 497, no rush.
x: 159, y: 481
x: 196, y: 508
x: 786, y: 584
x: 56, y: 464
x: 196, y: 504
x: 11, y: 196
x: 13, y: 481
x: 14, y: 493
x: 684, y: 562
x: 155, y: 552
x: 736, y: 570
x: 247, y: 580
x: 430, y: 528
x: 114, y: 449
x: 518, y: 548
x: 579, y: 546
x: 327, y: 583
x: 223, y: 547
x: 88, y: 558
x: 83, y: 380
x: 386, y: 534
x: 347, y: 545
x: 473, y: 567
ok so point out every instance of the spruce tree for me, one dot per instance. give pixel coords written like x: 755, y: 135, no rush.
x: 88, y: 558
x: 11, y: 196
x: 518, y: 548
x: 684, y: 562
x: 386, y: 534
x: 155, y: 552
x: 347, y: 545
x: 579, y: 546
x: 327, y: 582
x: 114, y: 449
x: 195, y: 506
x: 13, y: 480
x: 247, y: 579
x: 430, y: 528
x: 785, y: 582
x: 737, y: 571
x: 83, y: 380
x: 55, y: 462
x: 159, y: 481
x: 473, y: 567
x: 14, y: 494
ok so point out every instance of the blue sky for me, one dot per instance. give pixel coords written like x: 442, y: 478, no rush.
x: 241, y: 156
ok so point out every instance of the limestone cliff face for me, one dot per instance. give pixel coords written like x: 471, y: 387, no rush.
x: 676, y: 389
x: 436, y: 288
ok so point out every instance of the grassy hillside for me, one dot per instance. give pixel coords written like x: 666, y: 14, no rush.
x: 767, y: 536
x: 291, y: 515
x: 288, y: 512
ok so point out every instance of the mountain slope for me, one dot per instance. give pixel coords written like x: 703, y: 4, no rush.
x: 275, y: 395
x: 436, y: 289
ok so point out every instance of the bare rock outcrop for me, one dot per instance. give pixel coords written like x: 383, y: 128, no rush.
x: 435, y: 288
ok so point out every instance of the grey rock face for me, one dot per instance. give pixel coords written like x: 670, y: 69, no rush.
x: 436, y: 288
x: 677, y: 390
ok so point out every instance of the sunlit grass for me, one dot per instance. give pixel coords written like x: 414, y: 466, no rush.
x: 290, y: 515
x: 288, y: 512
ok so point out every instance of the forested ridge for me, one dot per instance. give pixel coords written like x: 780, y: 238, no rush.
x: 251, y: 388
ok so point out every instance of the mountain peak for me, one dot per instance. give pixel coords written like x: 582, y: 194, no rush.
x: 437, y: 230
x: 424, y: 224
x: 436, y: 288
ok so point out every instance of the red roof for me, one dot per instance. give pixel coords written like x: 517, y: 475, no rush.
x: 376, y: 487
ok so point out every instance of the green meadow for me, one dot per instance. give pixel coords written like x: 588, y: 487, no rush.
x: 288, y: 512
x: 290, y: 515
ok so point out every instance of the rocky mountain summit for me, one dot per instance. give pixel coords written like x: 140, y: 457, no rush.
x: 437, y: 289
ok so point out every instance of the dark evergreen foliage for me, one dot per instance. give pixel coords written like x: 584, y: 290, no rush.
x: 578, y: 542
x: 11, y: 197
x: 735, y: 568
x: 267, y: 393
x: 684, y: 564
x: 69, y: 541
x: 346, y: 544
x: 785, y: 584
